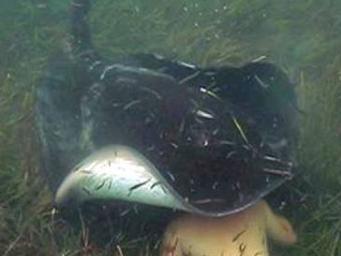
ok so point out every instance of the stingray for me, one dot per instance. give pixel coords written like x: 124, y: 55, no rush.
x: 214, y: 140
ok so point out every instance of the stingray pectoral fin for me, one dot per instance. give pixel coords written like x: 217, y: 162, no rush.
x: 116, y: 173
x: 70, y: 189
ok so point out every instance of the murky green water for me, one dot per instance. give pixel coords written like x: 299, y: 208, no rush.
x: 302, y: 38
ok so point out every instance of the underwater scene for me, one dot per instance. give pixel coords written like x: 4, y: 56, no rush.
x: 170, y: 128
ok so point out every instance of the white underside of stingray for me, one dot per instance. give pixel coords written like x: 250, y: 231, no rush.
x: 121, y: 173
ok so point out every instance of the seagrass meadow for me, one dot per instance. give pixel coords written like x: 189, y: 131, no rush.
x: 302, y: 37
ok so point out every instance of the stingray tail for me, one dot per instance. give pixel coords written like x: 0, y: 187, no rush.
x: 80, y: 32
x: 81, y: 43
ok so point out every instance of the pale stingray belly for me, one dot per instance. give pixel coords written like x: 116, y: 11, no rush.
x: 227, y: 240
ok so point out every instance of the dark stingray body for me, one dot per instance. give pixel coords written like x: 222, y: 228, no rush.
x: 223, y: 137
